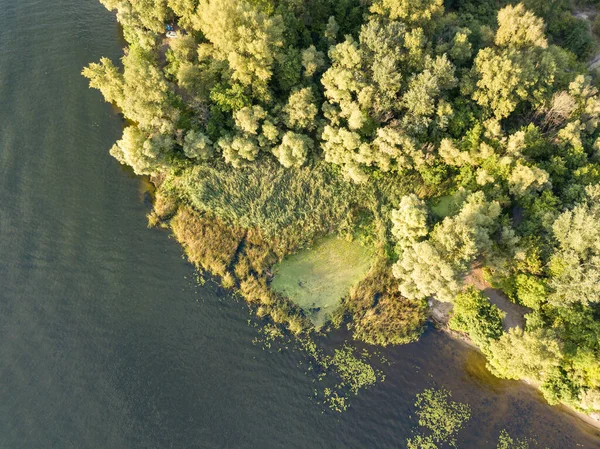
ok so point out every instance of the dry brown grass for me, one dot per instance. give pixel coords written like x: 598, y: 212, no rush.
x: 208, y: 243
x: 381, y: 315
x: 241, y: 258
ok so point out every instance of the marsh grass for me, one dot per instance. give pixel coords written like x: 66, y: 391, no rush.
x: 222, y: 219
x: 380, y: 314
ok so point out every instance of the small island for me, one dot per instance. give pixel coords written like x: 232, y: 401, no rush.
x: 356, y: 162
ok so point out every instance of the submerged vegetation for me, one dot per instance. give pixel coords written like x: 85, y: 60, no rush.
x: 438, y: 135
x: 318, y: 278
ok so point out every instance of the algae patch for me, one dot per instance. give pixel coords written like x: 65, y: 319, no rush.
x: 318, y: 278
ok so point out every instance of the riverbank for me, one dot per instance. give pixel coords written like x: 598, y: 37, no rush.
x: 108, y: 340
x: 264, y: 153
x: 439, y: 314
x: 213, y: 246
x: 197, y: 240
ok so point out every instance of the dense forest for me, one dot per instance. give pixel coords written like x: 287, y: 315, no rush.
x: 449, y: 137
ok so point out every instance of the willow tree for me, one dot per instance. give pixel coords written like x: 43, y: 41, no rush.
x: 415, y: 12
x: 294, y: 149
x: 140, y: 91
x: 518, y: 69
x: 409, y: 221
x: 185, y: 10
x: 384, y: 93
x: 246, y: 37
x: 435, y: 265
x: 145, y: 154
x: 575, y: 264
x: 301, y: 110
x: 524, y: 355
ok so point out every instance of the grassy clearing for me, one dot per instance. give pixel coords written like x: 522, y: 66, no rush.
x: 447, y: 205
x: 317, y: 279
x: 442, y: 206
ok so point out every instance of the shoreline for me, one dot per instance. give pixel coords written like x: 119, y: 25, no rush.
x: 442, y: 326
x: 437, y: 315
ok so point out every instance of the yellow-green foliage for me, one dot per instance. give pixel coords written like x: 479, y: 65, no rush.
x: 165, y: 207
x: 410, y: 11
x: 524, y: 355
x: 474, y: 315
x: 239, y: 257
x: 244, y: 35
x: 434, y: 266
x: 296, y: 205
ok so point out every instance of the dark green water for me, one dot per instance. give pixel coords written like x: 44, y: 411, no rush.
x: 105, y: 341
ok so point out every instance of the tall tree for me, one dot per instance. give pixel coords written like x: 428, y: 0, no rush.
x: 519, y: 69
x: 575, y: 265
x: 244, y: 35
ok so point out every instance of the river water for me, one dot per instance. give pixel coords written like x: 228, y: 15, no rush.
x: 105, y: 339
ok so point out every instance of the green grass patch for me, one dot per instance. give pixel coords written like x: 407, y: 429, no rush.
x: 447, y: 205
x: 317, y: 279
x: 442, y: 206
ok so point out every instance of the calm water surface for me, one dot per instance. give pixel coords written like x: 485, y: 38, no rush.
x: 105, y: 341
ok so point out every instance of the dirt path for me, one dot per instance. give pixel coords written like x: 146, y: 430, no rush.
x: 515, y: 314
x: 162, y: 52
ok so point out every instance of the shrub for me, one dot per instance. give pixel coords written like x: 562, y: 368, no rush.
x: 474, y: 315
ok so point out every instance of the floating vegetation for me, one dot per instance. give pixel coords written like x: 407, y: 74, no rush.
x: 317, y: 279
x: 440, y: 419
